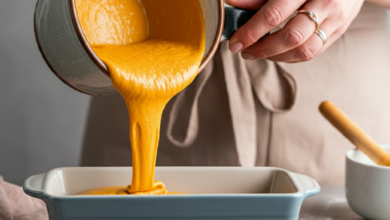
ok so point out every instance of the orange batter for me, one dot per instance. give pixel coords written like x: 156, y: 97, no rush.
x: 153, y: 49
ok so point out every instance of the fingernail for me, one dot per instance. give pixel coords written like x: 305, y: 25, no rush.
x: 248, y: 56
x: 235, y: 47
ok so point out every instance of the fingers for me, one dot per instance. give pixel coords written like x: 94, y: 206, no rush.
x: 247, y: 4
x: 268, y: 18
x: 307, y: 51
x: 296, y: 42
x: 296, y: 32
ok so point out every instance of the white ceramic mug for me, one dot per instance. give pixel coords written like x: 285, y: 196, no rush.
x: 68, y: 54
x: 368, y: 186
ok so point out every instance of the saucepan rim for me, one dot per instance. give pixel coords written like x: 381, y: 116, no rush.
x: 103, y: 67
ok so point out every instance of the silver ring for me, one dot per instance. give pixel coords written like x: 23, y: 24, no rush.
x: 312, y: 16
x: 322, y: 35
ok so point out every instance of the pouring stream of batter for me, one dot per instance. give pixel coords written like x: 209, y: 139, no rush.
x: 153, y: 50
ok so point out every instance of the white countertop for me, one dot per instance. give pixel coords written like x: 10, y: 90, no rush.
x: 329, y: 204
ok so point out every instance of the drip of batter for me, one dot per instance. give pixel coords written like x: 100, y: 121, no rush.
x: 153, y: 49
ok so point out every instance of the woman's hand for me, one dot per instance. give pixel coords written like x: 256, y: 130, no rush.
x: 296, y: 42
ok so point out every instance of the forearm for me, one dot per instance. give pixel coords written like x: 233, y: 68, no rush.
x: 382, y: 3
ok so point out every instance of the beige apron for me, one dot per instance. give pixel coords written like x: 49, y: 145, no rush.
x: 263, y: 113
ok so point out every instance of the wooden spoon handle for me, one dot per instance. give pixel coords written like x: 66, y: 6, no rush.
x: 355, y: 134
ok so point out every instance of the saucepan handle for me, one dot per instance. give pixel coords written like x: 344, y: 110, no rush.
x: 33, y: 186
x: 234, y: 19
x: 308, y: 184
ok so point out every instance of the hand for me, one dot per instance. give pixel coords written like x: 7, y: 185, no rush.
x: 296, y: 42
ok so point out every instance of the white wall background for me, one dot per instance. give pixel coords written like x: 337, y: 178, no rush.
x: 41, y: 119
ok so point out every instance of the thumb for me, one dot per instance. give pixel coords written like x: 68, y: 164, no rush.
x: 247, y: 4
